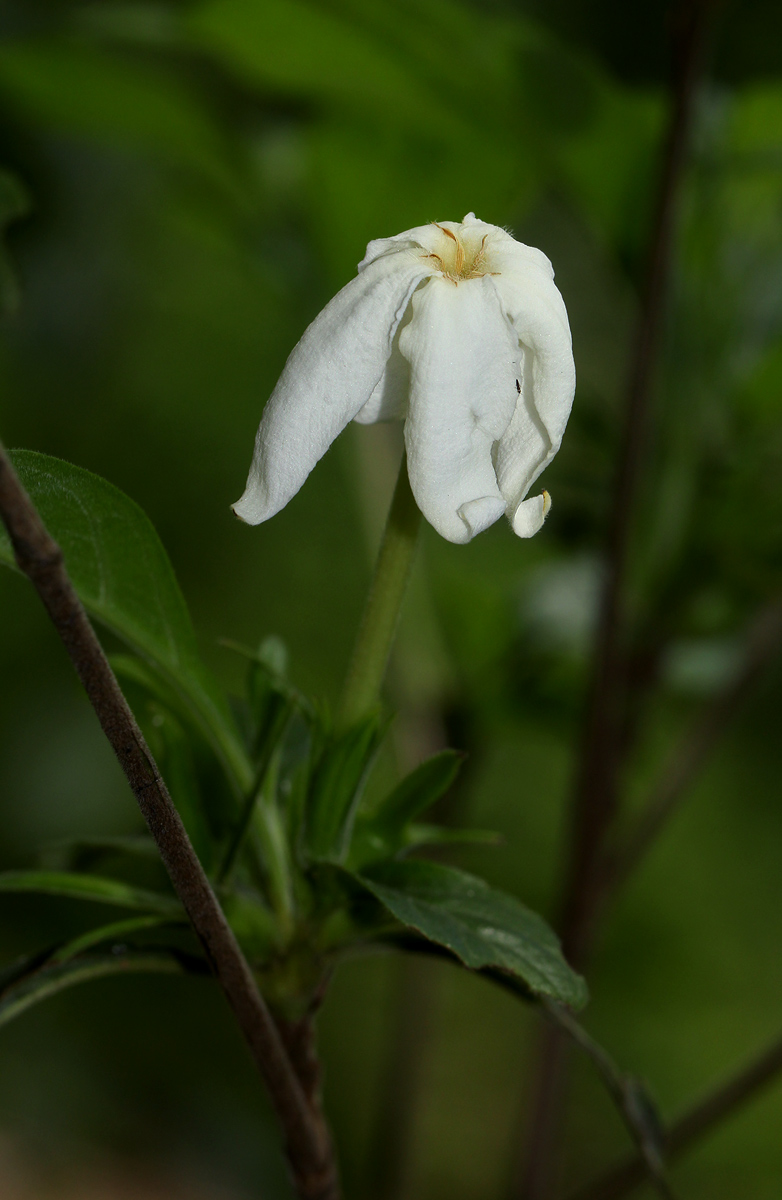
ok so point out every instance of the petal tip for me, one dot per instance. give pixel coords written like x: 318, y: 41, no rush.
x: 479, y: 514
x: 530, y: 515
x: 250, y: 509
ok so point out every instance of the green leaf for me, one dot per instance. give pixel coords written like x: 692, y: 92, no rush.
x: 481, y: 926
x: 49, y: 980
x: 116, y: 931
x: 419, y: 790
x: 441, y: 835
x: 384, y: 832
x: 89, y: 887
x: 336, y: 789
x: 15, y: 970
x: 81, y: 854
x: 371, y: 845
x: 124, y: 578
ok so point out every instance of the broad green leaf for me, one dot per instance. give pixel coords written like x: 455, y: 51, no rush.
x: 481, y: 926
x: 116, y: 931
x: 336, y: 789
x: 49, y: 980
x: 89, y: 887
x: 124, y: 578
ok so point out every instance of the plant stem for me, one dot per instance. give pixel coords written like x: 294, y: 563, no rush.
x: 40, y: 558
x: 595, y: 797
x: 622, y: 1090
x: 381, y: 613
x: 596, y: 787
x: 693, y: 1125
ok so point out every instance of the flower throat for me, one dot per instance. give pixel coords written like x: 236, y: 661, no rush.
x: 458, y: 264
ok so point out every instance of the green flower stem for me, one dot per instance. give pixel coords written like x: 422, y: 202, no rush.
x: 376, y: 632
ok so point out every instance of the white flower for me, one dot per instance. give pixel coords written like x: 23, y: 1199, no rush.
x: 460, y: 331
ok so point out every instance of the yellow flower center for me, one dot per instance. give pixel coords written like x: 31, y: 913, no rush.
x: 458, y: 262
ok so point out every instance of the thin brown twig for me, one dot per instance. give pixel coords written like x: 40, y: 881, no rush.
x: 596, y: 784
x: 692, y: 1126
x: 763, y: 642
x: 595, y: 795
x: 40, y: 558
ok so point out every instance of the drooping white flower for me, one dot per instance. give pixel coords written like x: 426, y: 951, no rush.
x: 460, y: 331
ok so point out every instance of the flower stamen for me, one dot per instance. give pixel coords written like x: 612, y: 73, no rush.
x: 460, y: 264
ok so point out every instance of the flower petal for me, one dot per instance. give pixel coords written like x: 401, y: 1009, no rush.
x: 414, y: 241
x: 328, y: 378
x: 388, y: 401
x: 530, y: 515
x: 464, y: 363
x: 534, y: 305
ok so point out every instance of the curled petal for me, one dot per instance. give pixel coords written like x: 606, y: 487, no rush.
x: 535, y: 307
x: 328, y: 378
x: 530, y: 515
x: 464, y: 363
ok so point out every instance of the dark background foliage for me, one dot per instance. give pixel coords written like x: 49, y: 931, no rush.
x: 188, y: 185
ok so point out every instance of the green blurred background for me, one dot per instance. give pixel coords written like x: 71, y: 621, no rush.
x: 189, y: 184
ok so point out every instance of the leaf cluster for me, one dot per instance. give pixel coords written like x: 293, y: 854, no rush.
x: 272, y: 797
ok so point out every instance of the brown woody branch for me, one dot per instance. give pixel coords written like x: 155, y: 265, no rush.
x: 595, y: 799
x: 40, y: 558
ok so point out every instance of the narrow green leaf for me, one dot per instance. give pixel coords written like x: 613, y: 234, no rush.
x: 46, y: 982
x: 117, y: 930
x: 372, y: 844
x: 419, y: 790
x: 482, y: 926
x: 336, y: 789
x: 441, y: 835
x: 385, y: 832
x: 124, y: 578
x: 80, y: 854
x: 18, y: 968
x: 89, y: 887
